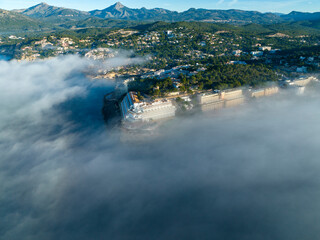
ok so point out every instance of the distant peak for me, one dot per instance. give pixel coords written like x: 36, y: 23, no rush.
x: 118, y: 5
x: 41, y: 5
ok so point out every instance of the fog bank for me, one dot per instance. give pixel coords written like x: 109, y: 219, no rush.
x: 245, y: 173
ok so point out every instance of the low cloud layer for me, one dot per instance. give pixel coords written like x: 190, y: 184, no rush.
x: 247, y: 173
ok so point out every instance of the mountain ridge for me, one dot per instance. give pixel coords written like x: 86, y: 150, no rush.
x: 50, y: 13
x: 118, y: 11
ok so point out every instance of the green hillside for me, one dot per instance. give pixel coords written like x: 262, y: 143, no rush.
x: 94, y: 22
x: 15, y: 22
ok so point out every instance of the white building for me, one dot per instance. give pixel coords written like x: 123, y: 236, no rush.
x: 302, y: 81
x: 224, y: 99
x: 257, y: 53
x: 134, y: 110
x: 263, y: 92
x: 237, y: 52
x: 265, y: 48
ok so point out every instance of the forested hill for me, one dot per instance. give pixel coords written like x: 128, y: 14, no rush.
x: 291, y: 28
x: 12, y: 22
x: 301, y: 16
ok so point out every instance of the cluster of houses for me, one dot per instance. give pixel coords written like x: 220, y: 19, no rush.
x: 100, y: 53
x: 256, y: 54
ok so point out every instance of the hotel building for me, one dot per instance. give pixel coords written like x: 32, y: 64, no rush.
x: 135, y: 110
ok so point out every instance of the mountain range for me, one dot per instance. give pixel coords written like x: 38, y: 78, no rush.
x: 119, y: 11
x: 43, y: 16
x: 49, y: 13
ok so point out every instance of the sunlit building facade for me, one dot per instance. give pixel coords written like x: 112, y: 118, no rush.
x: 135, y: 110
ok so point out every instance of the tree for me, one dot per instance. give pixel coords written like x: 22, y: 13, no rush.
x: 140, y: 97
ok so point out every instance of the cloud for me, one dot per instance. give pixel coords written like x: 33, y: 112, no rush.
x: 246, y: 173
x: 233, y: 2
x: 220, y: 2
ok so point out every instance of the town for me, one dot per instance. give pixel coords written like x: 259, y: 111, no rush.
x: 186, y: 66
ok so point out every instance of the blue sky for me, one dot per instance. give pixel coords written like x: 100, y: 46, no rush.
x: 284, y: 6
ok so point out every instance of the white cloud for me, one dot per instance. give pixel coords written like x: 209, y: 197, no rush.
x: 232, y: 3
x: 212, y: 176
x: 220, y: 2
